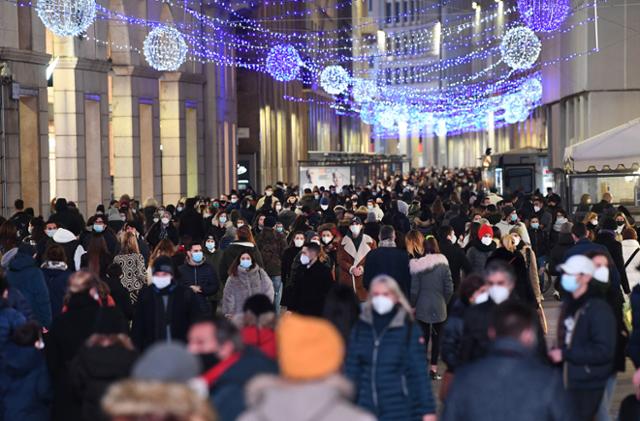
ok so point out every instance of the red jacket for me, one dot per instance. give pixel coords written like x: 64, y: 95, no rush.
x: 262, y: 338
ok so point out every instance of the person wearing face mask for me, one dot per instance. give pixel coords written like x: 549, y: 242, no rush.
x: 530, y: 261
x: 245, y: 243
x: 162, y: 230
x: 190, y: 222
x: 586, y: 338
x: 330, y: 241
x: 386, y: 360
x: 272, y: 246
x: 607, y: 238
x: 200, y: 276
x: 246, y: 278
x: 481, y: 248
x: 472, y: 291
x: 165, y: 309
x: 491, y: 388
x: 631, y: 256
x: 458, y: 261
x: 212, y: 253
x: 218, y: 225
x: 621, y: 224
x: 352, y: 255
x: 228, y: 364
x: 388, y: 259
x: 510, y: 220
x: 560, y: 219
x: 311, y: 283
x: 592, y: 222
x: 234, y: 202
x: 288, y: 257
x: 328, y: 215
x: 543, y: 216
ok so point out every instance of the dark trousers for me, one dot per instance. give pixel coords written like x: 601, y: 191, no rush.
x: 586, y: 402
x: 432, y: 333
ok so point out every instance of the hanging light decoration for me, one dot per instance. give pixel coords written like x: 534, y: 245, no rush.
x: 520, y: 48
x: 544, y: 15
x: 283, y: 62
x: 441, y: 128
x: 516, y: 108
x: 66, y: 18
x: 334, y: 80
x: 368, y: 113
x: 165, y: 48
x: 364, y: 90
x: 385, y: 116
x: 531, y: 89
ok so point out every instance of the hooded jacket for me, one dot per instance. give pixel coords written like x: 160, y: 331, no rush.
x: 56, y: 276
x: 431, y: 287
x: 272, y: 398
x: 26, y: 277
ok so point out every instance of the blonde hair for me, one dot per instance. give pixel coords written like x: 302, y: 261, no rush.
x: 507, y: 242
x: 588, y: 217
x: 415, y: 243
x: 394, y: 288
x: 129, y: 244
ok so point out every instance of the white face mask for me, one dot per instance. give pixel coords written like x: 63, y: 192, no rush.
x: 516, y: 240
x: 161, y: 282
x: 486, y: 240
x: 355, y: 229
x: 601, y: 274
x: 324, y: 207
x: 453, y: 239
x: 165, y: 221
x: 298, y: 243
x: 536, y: 209
x: 594, y: 222
x: 381, y: 304
x: 499, y: 294
x: 304, y: 259
x: 327, y: 239
x: 483, y: 297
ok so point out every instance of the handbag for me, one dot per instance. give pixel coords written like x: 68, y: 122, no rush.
x: 543, y: 320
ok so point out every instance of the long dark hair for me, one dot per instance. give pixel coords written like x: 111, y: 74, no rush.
x: 97, y: 251
x: 342, y: 309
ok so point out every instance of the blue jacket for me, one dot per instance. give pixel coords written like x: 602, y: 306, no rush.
x: 25, y: 276
x: 29, y: 393
x: 57, y: 280
x: 389, y: 370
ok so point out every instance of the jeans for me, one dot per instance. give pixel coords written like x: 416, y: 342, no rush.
x: 433, y: 332
x: 605, y: 403
x: 541, y: 261
x: 277, y: 292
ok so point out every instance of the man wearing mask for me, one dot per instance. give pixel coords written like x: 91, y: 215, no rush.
x: 510, y: 219
x: 165, y: 309
x: 458, y: 262
x: 228, y: 364
x: 352, y: 254
x: 388, y: 259
x: 586, y: 337
x: 607, y: 238
x: 191, y: 223
x: 509, y: 364
x: 200, y: 276
x: 311, y: 284
x: 500, y: 281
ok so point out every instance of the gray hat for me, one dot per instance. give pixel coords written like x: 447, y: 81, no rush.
x: 566, y: 228
x: 167, y: 362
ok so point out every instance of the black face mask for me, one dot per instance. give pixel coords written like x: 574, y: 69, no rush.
x: 209, y: 360
x: 620, y: 223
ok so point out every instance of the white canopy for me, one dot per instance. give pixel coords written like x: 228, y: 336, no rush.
x: 615, y: 147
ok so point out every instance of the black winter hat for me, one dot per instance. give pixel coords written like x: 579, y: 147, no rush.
x: 258, y: 304
x: 110, y: 321
x: 163, y: 264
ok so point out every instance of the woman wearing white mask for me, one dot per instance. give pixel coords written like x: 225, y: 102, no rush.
x: 246, y: 279
x: 162, y: 230
x: 217, y: 226
x: 386, y: 359
x: 289, y: 256
x: 530, y: 260
x: 481, y: 248
x: 351, y: 257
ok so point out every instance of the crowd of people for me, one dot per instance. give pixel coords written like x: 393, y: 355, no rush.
x: 416, y: 297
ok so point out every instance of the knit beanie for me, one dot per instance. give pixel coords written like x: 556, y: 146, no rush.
x: 166, y: 362
x: 485, y: 230
x: 309, y: 348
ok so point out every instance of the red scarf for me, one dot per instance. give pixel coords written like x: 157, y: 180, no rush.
x: 212, y: 375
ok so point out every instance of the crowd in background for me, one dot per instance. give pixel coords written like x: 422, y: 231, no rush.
x: 341, y: 303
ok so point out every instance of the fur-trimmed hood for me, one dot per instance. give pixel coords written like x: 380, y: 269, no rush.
x: 427, y: 263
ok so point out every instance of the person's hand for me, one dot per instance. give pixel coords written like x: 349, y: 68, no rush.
x: 430, y: 417
x: 196, y: 289
x: 555, y: 355
x: 636, y: 383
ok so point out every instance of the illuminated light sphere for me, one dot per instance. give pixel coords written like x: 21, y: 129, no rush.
x: 520, y: 48
x: 544, y: 15
x: 364, y: 90
x: 67, y: 18
x: 401, y: 112
x: 283, y: 62
x: 368, y: 113
x: 165, y: 48
x: 531, y: 89
x: 516, y: 108
x: 441, y: 128
x: 385, y: 116
x: 334, y: 80
x: 419, y: 118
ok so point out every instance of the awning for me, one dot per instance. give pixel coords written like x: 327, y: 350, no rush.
x: 615, y: 149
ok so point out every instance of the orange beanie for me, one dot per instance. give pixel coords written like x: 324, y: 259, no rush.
x: 309, y: 348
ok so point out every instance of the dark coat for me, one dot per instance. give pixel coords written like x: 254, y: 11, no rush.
x: 389, y: 261
x: 69, y: 219
x: 287, y: 263
x: 232, y: 252
x: 272, y: 246
x: 608, y: 239
x: 523, y: 289
x: 558, y: 252
x: 452, y: 335
x: 155, y: 234
x: 589, y: 355
x: 68, y: 333
x: 93, y: 370
x: 478, y: 254
x: 28, y: 392
x: 458, y: 261
x: 203, y: 276
x: 191, y: 224
x: 310, y: 288
x: 474, y: 343
x: 539, y: 241
x: 227, y: 389
x: 150, y: 319
x: 25, y: 276
x: 121, y: 296
x: 634, y: 340
x: 509, y: 366
x: 583, y: 246
x: 57, y: 279
x: 389, y: 370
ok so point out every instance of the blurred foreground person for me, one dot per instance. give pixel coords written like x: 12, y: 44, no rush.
x: 386, y: 359
x: 498, y: 387
x: 310, y: 387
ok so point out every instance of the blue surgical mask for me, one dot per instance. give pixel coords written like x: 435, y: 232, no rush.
x: 279, y: 229
x: 98, y: 227
x: 211, y: 246
x: 569, y: 282
x: 245, y: 263
x: 223, y: 219
x: 535, y: 225
x: 197, y: 256
x: 514, y: 217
